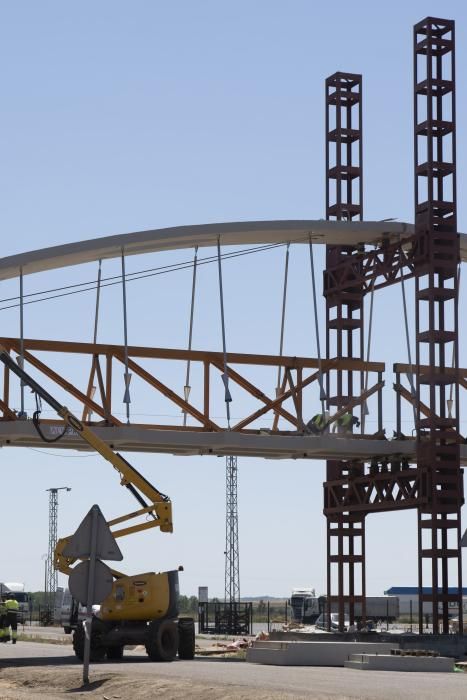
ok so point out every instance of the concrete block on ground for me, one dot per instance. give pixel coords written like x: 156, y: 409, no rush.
x: 445, y: 644
x: 296, y: 653
x: 390, y: 662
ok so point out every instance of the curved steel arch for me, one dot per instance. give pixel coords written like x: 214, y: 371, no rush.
x: 179, y: 237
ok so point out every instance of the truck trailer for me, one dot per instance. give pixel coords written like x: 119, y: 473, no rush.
x: 377, y: 608
x: 307, y: 607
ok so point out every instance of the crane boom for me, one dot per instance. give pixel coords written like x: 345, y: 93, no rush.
x: 157, y: 506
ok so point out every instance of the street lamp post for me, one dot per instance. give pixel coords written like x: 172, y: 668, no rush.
x: 51, y: 572
x: 44, y: 559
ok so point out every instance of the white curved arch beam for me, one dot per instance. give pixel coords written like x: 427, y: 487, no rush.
x: 179, y: 237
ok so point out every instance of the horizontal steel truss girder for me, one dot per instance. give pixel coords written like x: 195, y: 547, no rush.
x: 102, y: 376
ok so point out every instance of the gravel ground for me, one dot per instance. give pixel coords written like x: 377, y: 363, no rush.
x: 31, y: 670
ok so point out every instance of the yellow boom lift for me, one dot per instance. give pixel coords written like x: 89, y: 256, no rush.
x: 141, y: 609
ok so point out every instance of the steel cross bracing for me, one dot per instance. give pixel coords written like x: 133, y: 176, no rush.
x: 232, y: 561
x: 344, y: 331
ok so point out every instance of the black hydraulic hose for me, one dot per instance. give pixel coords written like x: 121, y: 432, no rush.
x: 36, y: 423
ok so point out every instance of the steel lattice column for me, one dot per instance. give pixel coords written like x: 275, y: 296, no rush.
x: 439, y: 514
x: 232, y: 569
x: 344, y: 326
x: 52, y: 573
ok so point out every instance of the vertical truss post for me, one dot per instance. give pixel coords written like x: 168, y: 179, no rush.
x: 232, y: 569
x: 344, y: 329
x: 436, y: 290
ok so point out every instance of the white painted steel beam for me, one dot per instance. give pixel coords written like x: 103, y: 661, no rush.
x: 136, y: 439
x: 179, y: 237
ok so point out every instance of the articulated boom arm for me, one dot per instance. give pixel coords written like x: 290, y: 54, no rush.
x: 157, y: 508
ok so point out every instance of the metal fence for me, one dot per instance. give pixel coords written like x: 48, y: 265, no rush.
x: 225, y: 618
x: 240, y: 618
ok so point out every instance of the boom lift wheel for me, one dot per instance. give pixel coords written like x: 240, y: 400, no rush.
x: 97, y: 651
x: 186, y: 638
x: 162, y: 644
x: 115, y: 653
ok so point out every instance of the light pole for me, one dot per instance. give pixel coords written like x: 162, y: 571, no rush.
x: 51, y: 573
x: 44, y: 559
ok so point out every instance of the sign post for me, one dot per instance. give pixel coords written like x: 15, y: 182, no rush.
x: 91, y: 581
x: 90, y: 600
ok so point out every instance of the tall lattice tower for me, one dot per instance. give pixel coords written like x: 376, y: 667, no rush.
x: 232, y: 570
x: 52, y: 574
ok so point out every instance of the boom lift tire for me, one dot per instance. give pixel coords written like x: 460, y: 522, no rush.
x: 97, y: 651
x: 162, y: 644
x: 186, y: 638
x: 114, y: 653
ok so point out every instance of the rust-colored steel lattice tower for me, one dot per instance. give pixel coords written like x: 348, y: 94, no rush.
x: 344, y: 328
x: 434, y: 485
x: 436, y: 282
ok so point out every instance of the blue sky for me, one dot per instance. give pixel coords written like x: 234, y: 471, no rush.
x: 121, y: 116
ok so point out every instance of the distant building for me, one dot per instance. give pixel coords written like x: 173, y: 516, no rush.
x: 406, y: 594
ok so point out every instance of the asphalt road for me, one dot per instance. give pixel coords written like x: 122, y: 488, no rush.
x: 301, y: 681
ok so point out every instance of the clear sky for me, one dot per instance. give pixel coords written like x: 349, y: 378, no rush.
x: 118, y: 117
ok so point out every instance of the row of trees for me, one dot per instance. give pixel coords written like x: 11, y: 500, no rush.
x: 189, y: 606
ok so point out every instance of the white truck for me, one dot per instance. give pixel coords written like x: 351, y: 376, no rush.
x: 305, y: 605
x: 23, y: 598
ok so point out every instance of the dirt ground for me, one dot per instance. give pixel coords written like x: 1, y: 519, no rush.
x: 38, y: 684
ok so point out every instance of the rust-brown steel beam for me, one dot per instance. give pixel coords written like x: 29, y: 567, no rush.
x: 279, y: 391
x: 257, y: 393
x: 70, y: 388
x: 100, y: 381
x: 275, y: 404
x: 167, y: 392
x: 139, y: 351
x: 403, y: 368
x: 6, y: 393
x: 7, y: 412
x: 85, y: 412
